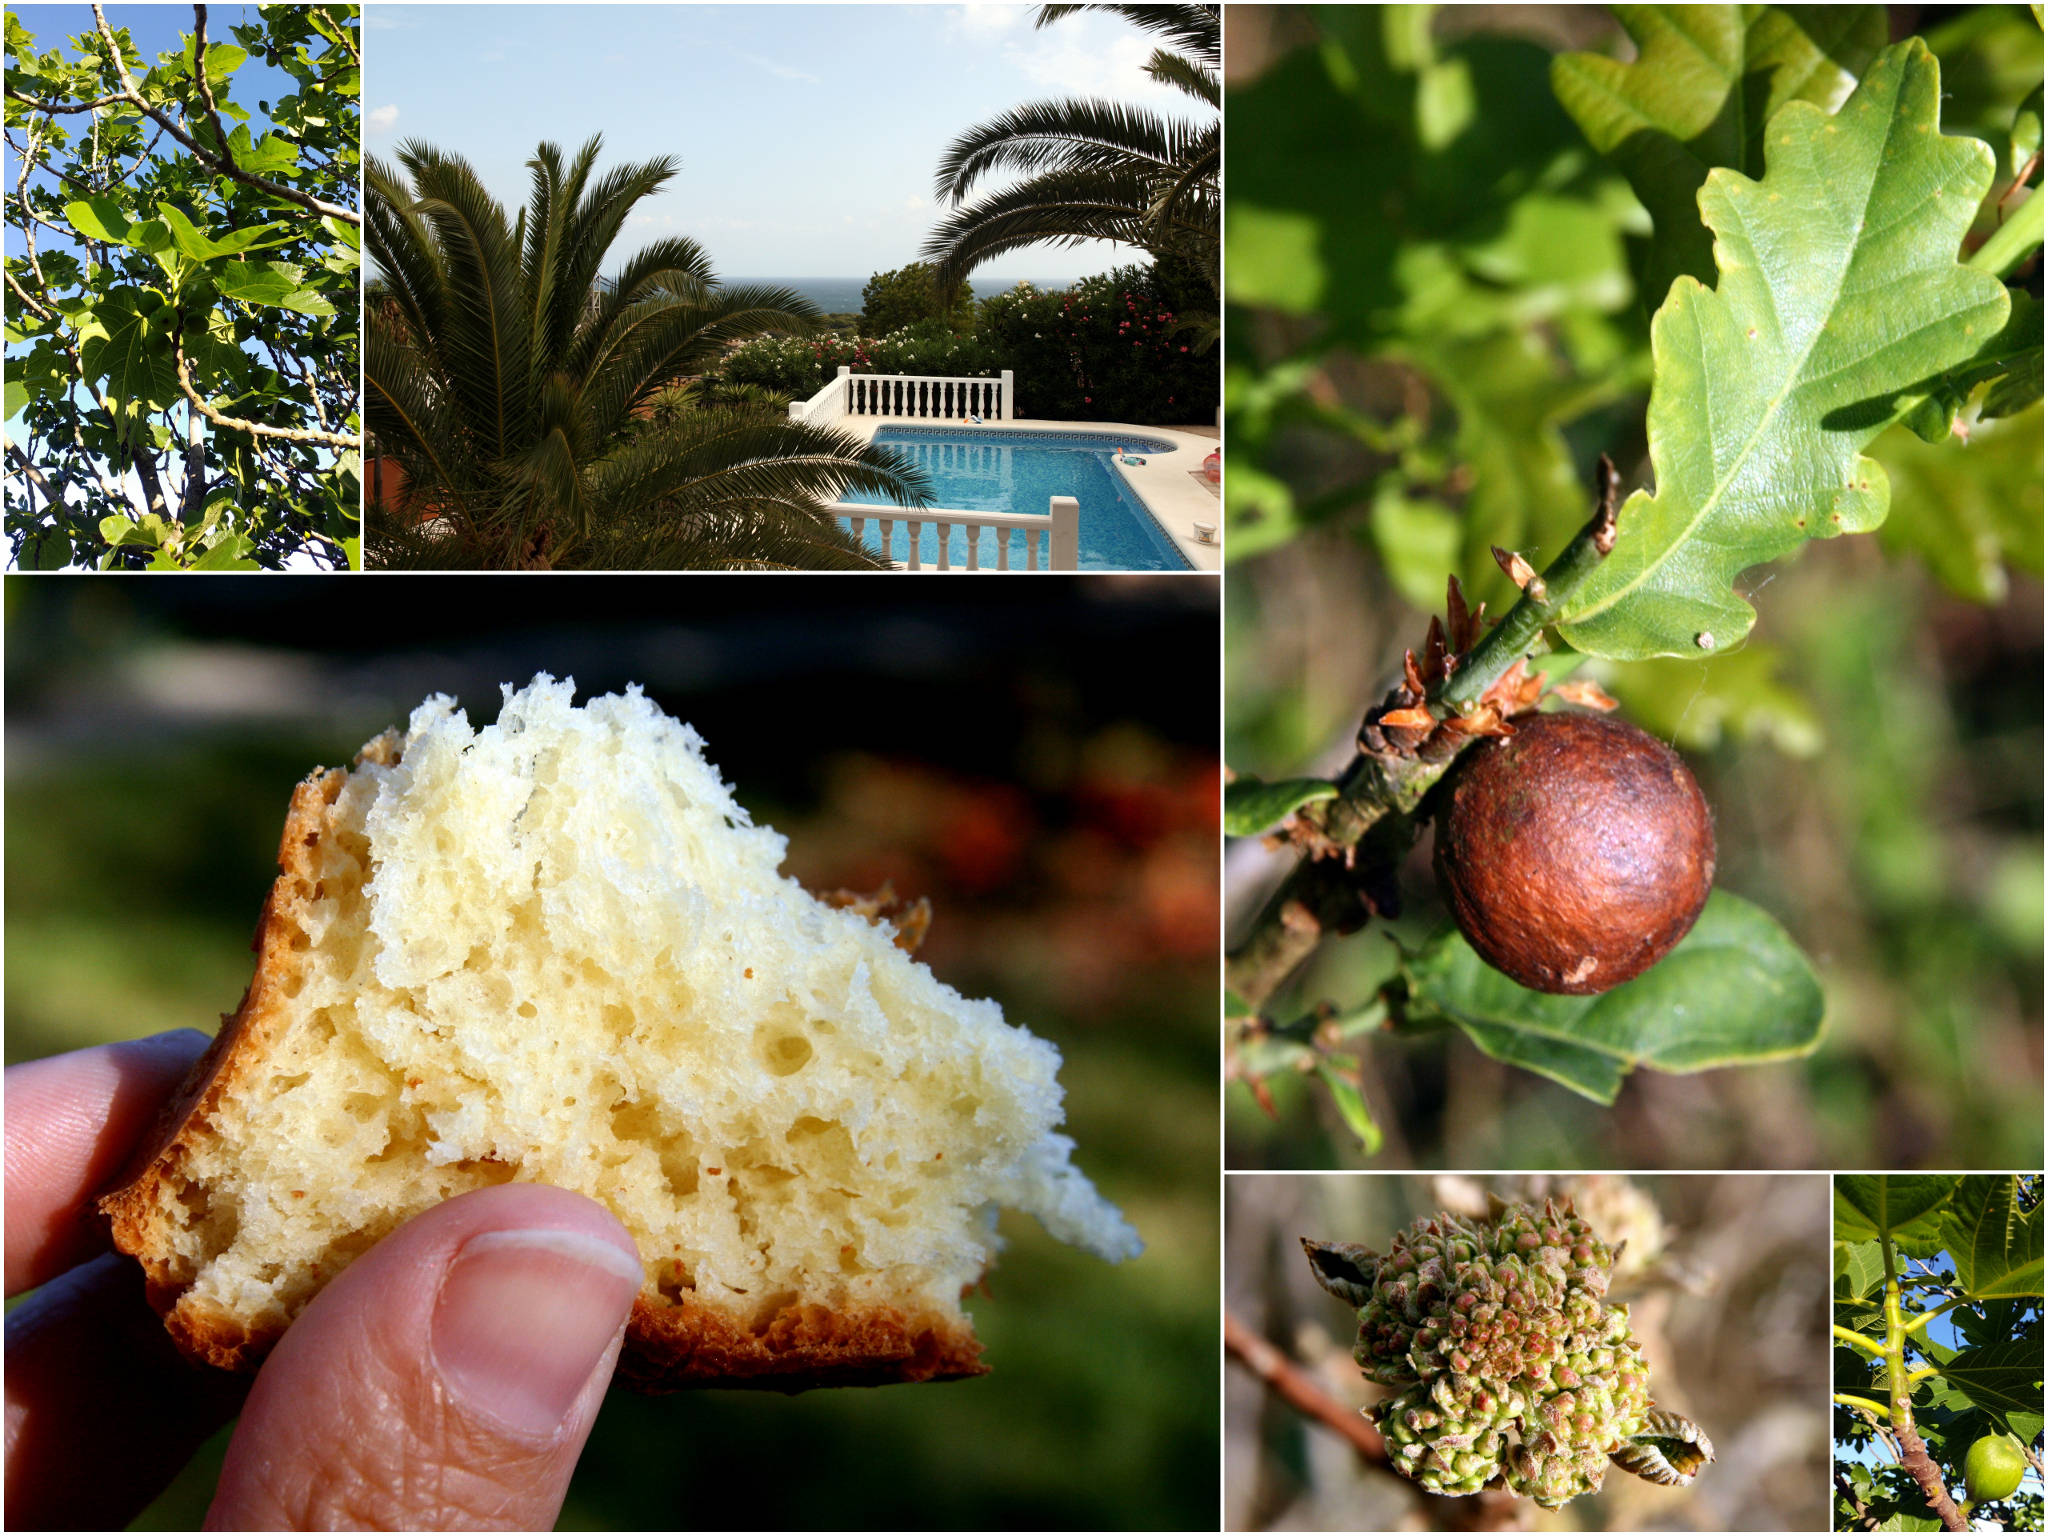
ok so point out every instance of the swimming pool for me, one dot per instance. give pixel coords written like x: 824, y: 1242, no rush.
x: 992, y: 469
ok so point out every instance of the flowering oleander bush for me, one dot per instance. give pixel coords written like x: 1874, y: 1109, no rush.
x: 799, y: 366
x: 1110, y: 348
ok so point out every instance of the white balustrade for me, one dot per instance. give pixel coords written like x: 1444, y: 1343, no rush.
x: 1061, y: 531
x: 930, y: 397
x: 826, y: 408
x: 914, y: 397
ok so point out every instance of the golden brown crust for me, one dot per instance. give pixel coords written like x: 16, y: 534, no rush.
x: 134, y: 1206
x: 668, y: 1345
x: 671, y: 1345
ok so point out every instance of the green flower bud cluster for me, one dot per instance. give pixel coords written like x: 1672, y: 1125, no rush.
x: 1509, y: 1361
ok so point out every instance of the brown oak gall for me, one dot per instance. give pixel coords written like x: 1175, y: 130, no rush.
x: 1574, y: 853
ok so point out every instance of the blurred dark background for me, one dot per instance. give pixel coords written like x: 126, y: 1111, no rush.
x: 1036, y: 756
x: 1726, y: 1280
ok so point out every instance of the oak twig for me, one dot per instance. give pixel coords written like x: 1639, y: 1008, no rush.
x: 1369, y: 827
x: 1299, y: 1390
x: 2014, y: 240
x: 1542, y: 602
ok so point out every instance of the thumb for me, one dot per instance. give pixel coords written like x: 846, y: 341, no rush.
x: 447, y: 1378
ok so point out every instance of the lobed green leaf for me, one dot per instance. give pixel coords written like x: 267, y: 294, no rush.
x: 1995, y: 1246
x: 1904, y: 1207
x: 1839, y: 295
x: 1705, y: 80
x: 2000, y: 1378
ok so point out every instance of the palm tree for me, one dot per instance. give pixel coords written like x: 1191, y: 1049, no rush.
x: 516, y: 389
x: 1096, y: 170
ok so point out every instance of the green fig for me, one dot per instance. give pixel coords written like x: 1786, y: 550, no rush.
x: 1992, y: 1469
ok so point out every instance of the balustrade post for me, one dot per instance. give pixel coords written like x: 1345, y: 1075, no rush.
x: 1063, y: 548
x: 887, y: 525
x: 1009, y: 395
x: 916, y: 531
x: 973, y: 532
x: 1030, y: 549
x: 945, y: 533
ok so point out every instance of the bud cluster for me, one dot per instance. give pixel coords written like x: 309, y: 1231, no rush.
x: 1509, y: 1361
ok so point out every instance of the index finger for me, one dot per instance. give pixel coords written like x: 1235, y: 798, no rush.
x: 72, y: 1121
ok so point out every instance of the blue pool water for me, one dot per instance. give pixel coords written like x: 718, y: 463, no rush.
x: 994, y: 470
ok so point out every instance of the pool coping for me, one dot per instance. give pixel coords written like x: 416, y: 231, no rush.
x: 1159, y: 485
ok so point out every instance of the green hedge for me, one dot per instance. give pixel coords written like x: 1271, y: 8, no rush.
x: 1109, y: 348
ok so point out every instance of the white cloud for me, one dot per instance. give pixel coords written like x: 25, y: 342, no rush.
x: 1061, y: 63
x: 913, y: 201
x: 380, y: 119
x: 988, y: 21
x: 779, y: 70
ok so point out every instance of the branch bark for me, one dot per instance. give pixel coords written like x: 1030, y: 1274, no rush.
x: 1912, y: 1449
x: 1299, y: 1390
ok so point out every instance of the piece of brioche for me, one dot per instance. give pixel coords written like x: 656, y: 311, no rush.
x: 558, y: 950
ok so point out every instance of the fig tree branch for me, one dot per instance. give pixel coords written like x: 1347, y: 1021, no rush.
x: 223, y: 163
x: 1914, y: 1325
x: 1913, y: 1455
x: 220, y: 133
x: 254, y: 428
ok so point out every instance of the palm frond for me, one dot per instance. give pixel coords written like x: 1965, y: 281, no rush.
x: 1070, y: 134
x: 1183, y: 74
x: 1196, y: 29
x: 483, y: 341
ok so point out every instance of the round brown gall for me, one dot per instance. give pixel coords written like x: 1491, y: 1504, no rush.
x: 1574, y: 853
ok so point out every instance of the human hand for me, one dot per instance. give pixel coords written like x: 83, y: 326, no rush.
x: 446, y: 1379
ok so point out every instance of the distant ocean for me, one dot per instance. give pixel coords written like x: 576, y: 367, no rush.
x: 841, y: 295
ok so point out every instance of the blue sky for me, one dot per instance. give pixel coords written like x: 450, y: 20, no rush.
x: 808, y: 134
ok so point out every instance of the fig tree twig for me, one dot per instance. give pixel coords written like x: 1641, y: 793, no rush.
x: 1848, y: 1491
